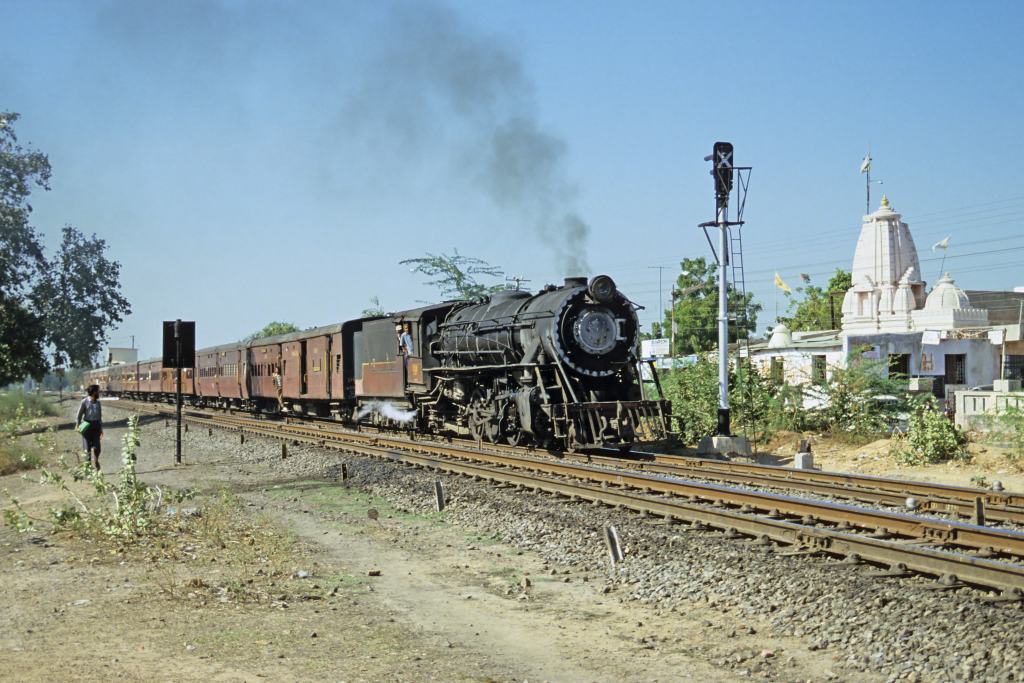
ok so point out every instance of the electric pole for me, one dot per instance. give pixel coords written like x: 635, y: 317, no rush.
x: 661, y: 301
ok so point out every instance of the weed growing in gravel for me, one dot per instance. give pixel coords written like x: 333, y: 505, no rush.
x: 250, y: 560
x: 215, y: 553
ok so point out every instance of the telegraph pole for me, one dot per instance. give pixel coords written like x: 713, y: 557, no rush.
x: 661, y: 301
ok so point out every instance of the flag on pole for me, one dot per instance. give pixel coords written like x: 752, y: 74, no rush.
x: 943, y: 244
x: 865, y: 165
x: 782, y: 285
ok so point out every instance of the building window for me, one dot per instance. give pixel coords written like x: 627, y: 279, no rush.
x: 899, y: 364
x: 1013, y: 367
x: 956, y: 368
x: 778, y: 370
x: 818, y: 369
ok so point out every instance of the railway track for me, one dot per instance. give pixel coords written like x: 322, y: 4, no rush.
x: 956, y: 501
x: 954, y: 553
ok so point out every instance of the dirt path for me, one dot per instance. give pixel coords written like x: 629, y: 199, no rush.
x: 448, y: 603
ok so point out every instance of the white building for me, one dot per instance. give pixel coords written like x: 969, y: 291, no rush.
x: 936, y: 336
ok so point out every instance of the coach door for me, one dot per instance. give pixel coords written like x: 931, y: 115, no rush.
x: 303, y: 368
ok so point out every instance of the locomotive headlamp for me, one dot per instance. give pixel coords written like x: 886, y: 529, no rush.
x: 602, y: 288
x: 596, y: 331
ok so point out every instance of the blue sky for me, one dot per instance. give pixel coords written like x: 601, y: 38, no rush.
x: 257, y: 161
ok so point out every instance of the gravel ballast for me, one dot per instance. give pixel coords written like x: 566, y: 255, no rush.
x: 894, y: 627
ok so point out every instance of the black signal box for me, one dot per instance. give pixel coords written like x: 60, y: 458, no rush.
x: 723, y: 168
x: 185, y: 332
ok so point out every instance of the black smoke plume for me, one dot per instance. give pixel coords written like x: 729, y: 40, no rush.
x: 437, y: 79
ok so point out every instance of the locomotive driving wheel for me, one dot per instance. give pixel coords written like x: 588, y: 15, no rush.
x: 482, y: 421
x: 512, y: 431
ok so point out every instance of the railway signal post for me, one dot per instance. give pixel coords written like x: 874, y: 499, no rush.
x: 179, y: 352
x: 724, y: 170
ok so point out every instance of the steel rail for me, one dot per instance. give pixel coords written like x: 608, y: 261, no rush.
x: 959, y: 501
x: 952, y: 568
x: 885, y: 523
x: 935, y: 531
x: 930, y: 497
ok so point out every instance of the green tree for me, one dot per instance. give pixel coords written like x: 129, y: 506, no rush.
x: 22, y: 334
x: 272, y: 329
x: 79, y: 296
x: 456, y: 275
x: 696, y: 309
x: 21, y: 253
x: 818, y: 306
x: 21, y: 342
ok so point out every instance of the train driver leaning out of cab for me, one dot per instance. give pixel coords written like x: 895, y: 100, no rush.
x: 404, y: 339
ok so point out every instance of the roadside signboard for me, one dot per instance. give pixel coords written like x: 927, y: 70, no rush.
x: 654, y: 348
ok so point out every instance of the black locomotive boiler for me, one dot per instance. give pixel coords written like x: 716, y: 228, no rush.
x: 558, y: 368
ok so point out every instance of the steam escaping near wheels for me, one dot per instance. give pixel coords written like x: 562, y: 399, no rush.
x: 387, y: 410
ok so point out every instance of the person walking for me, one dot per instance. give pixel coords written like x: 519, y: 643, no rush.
x: 89, y: 424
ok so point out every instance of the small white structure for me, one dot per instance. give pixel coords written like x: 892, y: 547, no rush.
x: 947, y: 307
x: 121, y: 355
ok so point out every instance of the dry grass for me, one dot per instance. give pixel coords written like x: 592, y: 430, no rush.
x: 221, y: 553
x: 16, y: 458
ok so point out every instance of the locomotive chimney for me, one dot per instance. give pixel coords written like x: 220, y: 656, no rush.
x: 575, y: 282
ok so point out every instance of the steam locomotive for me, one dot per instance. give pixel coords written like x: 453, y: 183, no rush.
x: 557, y: 369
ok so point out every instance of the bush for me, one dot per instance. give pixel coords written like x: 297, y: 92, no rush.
x: 693, y: 391
x: 751, y: 397
x: 931, y: 437
x: 787, y: 412
x: 858, y: 402
x: 15, y: 403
